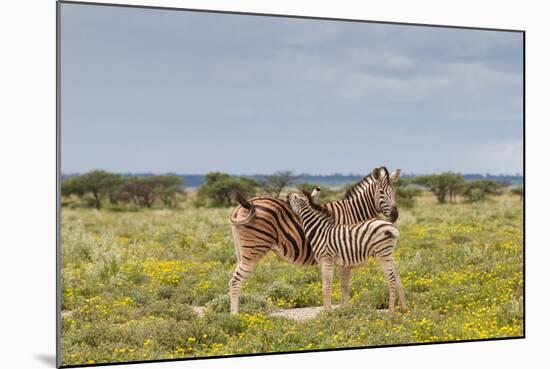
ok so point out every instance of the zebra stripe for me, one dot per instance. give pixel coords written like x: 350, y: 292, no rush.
x: 264, y: 224
x: 348, y: 245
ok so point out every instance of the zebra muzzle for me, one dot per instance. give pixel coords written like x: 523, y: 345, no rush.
x: 394, y: 214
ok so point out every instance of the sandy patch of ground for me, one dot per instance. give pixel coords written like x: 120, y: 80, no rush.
x: 298, y: 314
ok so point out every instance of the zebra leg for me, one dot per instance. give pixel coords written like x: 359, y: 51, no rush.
x: 345, y: 277
x: 242, y: 272
x: 248, y: 254
x: 400, y: 291
x: 388, y: 269
x: 327, y: 272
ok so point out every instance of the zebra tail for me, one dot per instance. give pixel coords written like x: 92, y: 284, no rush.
x: 236, y: 243
x: 243, y: 201
x: 247, y: 205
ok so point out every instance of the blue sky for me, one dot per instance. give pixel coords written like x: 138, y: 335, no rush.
x: 147, y: 90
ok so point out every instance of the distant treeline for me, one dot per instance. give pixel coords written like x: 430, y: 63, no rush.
x: 95, y: 188
x: 330, y: 180
x: 98, y: 187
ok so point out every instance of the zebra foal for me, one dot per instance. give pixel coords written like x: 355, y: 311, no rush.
x: 348, y: 245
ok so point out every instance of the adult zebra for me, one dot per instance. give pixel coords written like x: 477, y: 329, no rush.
x: 264, y: 224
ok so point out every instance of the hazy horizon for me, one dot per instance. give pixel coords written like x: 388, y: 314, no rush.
x: 293, y: 173
x: 161, y: 91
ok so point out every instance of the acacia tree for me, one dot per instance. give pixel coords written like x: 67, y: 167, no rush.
x: 146, y: 190
x: 219, y: 189
x: 442, y: 185
x: 455, y: 182
x: 435, y: 184
x: 167, y: 188
x: 276, y: 182
x: 139, y: 190
x: 98, y: 183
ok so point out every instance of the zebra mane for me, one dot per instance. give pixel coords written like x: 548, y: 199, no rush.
x: 353, y: 189
x: 314, y: 205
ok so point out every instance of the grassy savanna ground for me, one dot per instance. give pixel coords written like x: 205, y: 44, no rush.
x: 130, y: 279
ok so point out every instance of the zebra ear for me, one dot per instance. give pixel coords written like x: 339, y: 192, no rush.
x: 395, y: 175
x: 316, y: 191
x: 376, y: 173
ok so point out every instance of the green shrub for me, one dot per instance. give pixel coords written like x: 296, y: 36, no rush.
x: 279, y: 290
x: 169, y: 309
x: 406, y: 194
x: 475, y: 191
x: 249, y: 303
x: 373, y: 298
x: 166, y: 291
x: 518, y: 191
